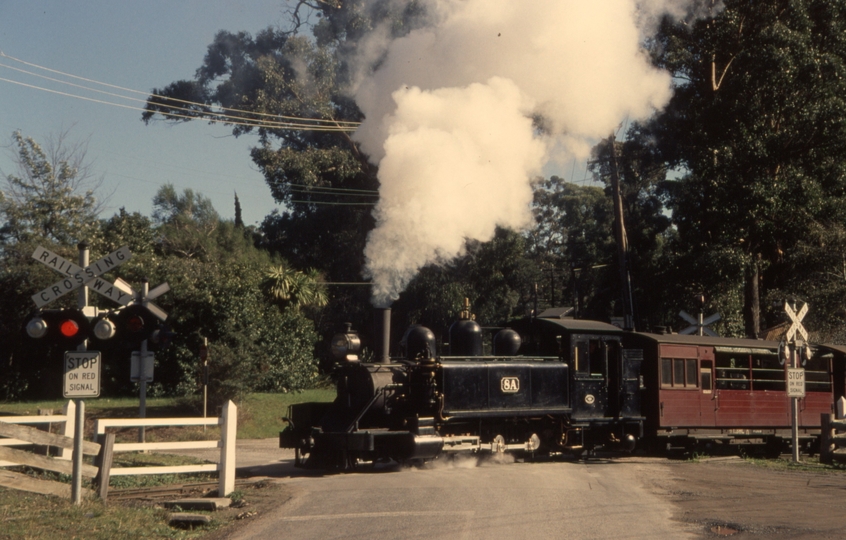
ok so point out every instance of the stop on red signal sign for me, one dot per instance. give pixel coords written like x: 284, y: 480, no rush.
x: 82, y: 374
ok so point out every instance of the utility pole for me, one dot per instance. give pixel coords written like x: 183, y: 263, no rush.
x: 620, y: 234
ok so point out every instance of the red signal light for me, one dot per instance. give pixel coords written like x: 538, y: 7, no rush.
x: 135, y: 324
x: 69, y: 328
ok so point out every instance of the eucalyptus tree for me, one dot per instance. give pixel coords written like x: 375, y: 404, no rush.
x: 290, y: 86
x: 758, y: 125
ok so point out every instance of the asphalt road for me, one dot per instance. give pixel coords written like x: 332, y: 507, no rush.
x: 621, y: 497
x: 463, y: 500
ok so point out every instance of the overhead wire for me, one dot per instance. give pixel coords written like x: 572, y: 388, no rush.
x: 94, y: 81
x: 326, y: 190
x: 214, y: 118
x: 293, y: 122
x: 330, y: 203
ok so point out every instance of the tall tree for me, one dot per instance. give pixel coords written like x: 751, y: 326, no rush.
x: 642, y: 177
x: 291, y: 87
x: 49, y: 202
x: 51, y: 198
x: 574, y: 238
x: 758, y: 123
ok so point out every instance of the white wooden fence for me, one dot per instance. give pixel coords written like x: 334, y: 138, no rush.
x: 833, y: 434
x: 228, y: 423
x: 67, y: 429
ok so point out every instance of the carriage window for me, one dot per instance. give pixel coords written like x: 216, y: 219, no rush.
x: 705, y: 376
x: 767, y: 373
x: 732, y: 370
x: 817, y: 374
x: 690, y: 372
x: 678, y: 373
x: 667, y: 372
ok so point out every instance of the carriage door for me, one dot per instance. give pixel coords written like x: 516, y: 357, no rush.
x: 708, y: 398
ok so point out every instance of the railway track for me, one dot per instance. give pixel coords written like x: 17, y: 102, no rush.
x: 193, y: 489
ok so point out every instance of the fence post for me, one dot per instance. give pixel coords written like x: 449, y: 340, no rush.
x: 841, y: 408
x: 69, y: 410
x: 105, y: 464
x: 228, y: 430
x: 827, y: 445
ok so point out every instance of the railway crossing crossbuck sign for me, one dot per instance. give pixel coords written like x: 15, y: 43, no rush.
x: 76, y: 276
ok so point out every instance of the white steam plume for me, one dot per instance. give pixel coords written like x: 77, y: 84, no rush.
x: 448, y: 117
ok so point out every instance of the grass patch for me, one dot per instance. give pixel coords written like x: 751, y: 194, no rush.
x: 40, y: 517
x: 138, y: 459
x: 806, y: 464
x: 259, y: 415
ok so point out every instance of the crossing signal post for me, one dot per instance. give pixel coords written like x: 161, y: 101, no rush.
x: 133, y: 325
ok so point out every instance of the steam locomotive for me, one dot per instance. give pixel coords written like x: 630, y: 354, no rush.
x: 555, y: 385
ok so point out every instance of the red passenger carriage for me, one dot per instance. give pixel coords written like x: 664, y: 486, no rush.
x: 700, y: 390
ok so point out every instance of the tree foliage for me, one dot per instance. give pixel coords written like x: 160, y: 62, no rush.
x: 758, y: 122
x: 215, y: 273
x: 51, y: 197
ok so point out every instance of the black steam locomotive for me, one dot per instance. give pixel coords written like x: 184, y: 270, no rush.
x: 551, y: 384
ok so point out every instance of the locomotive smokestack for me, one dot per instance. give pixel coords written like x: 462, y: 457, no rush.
x: 383, y: 335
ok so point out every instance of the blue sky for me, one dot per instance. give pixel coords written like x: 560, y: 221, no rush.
x: 137, y: 45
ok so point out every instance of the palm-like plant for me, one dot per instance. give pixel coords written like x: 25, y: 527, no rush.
x: 289, y: 287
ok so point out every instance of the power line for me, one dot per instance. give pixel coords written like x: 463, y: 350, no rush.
x: 296, y: 123
x: 4, y: 55
x: 327, y: 203
x: 300, y: 127
x: 333, y: 191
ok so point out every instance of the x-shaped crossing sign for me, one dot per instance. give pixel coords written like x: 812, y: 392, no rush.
x: 699, y: 326
x: 796, y: 322
x: 76, y: 276
x: 145, y: 300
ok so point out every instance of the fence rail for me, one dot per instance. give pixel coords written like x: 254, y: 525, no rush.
x: 67, y: 429
x: 15, y: 433
x: 832, y: 439
x: 228, y: 423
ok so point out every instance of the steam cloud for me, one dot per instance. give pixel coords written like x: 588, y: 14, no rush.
x: 449, y: 116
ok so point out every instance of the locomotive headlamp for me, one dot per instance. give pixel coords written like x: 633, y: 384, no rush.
x: 345, y: 346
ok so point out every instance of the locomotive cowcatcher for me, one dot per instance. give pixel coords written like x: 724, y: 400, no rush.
x: 551, y: 385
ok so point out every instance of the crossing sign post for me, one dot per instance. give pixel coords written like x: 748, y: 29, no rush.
x: 81, y: 367
x: 794, y: 374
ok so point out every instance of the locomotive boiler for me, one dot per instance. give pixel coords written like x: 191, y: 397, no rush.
x: 550, y: 384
